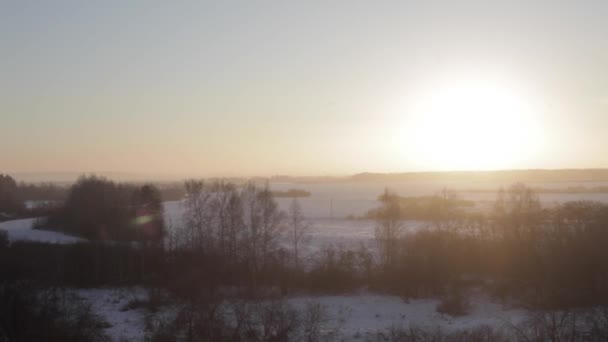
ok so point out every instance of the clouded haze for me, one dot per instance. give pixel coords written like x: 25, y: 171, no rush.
x: 258, y: 88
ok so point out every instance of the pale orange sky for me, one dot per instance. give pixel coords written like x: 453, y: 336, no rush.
x: 310, y: 88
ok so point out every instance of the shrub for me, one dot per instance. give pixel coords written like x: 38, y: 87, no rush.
x: 420, y: 334
x: 335, y: 270
x: 28, y: 314
x: 552, y: 326
x: 10, y: 203
x: 4, y: 241
x: 454, y: 304
x: 99, y: 209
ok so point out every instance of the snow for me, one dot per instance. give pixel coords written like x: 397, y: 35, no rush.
x: 38, y: 204
x: 360, y: 315
x: 341, y: 199
x: 109, y: 304
x: 22, y: 230
x: 347, y: 233
x: 351, y: 316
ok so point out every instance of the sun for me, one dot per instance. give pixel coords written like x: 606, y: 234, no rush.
x: 472, y: 125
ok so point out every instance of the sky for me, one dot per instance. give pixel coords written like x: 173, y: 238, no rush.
x: 255, y: 88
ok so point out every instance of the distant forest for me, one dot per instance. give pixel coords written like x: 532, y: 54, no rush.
x: 566, y: 190
x: 59, y: 192
x: 291, y: 193
x: 506, y: 176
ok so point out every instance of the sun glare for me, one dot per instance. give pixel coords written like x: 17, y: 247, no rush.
x: 472, y: 125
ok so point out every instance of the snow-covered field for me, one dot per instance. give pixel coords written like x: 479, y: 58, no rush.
x: 341, y: 199
x: 22, y: 230
x: 354, y: 317
x: 110, y: 304
x: 363, y: 314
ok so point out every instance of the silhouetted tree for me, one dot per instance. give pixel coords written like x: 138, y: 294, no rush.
x: 388, y: 227
x: 517, y: 210
x: 97, y: 209
x: 148, y: 207
x: 42, y: 192
x: 263, y: 222
x: 10, y: 203
x: 445, y: 209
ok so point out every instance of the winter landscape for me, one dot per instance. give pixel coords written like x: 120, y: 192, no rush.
x: 315, y: 171
x: 336, y: 219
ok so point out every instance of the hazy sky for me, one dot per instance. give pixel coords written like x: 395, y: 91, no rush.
x: 297, y: 87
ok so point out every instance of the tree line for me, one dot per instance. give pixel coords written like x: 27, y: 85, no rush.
x: 44, y: 197
x: 542, y: 257
x: 236, y: 235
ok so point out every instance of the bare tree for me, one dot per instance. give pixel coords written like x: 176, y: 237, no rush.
x: 198, y: 214
x: 234, y: 223
x: 263, y: 224
x: 314, y: 321
x: 299, y: 228
x: 272, y: 222
x: 222, y: 194
x: 388, y: 227
x: 445, y: 211
x: 517, y: 210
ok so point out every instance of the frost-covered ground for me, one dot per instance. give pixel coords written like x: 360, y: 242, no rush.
x: 110, y: 305
x: 364, y: 314
x: 22, y: 230
x: 354, y: 317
